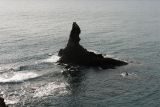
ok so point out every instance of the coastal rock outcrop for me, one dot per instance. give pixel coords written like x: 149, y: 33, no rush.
x: 74, y: 53
x: 2, y: 103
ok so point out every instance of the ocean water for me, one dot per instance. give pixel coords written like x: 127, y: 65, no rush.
x: 33, y: 31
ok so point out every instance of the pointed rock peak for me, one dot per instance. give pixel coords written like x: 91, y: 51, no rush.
x: 76, y: 28
x: 74, y: 35
x: 74, y: 53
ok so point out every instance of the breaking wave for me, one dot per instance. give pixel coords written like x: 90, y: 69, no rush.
x: 17, y: 77
x: 12, y: 101
x: 52, y: 59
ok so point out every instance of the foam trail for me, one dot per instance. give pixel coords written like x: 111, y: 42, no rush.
x: 50, y: 88
x: 17, y: 77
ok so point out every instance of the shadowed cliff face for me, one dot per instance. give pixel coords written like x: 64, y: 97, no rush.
x: 74, y: 53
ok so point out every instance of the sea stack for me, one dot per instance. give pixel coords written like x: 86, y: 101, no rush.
x: 2, y: 103
x: 74, y: 53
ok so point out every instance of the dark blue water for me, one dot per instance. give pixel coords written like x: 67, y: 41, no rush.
x: 32, y: 32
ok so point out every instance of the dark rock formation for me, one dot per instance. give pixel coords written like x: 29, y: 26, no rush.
x: 74, y: 53
x: 2, y: 103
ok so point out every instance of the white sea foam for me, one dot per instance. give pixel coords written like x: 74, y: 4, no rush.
x: 109, y: 56
x: 124, y: 74
x: 10, y: 98
x: 96, y: 52
x: 12, y: 101
x: 53, y: 58
x: 49, y: 89
x: 17, y: 76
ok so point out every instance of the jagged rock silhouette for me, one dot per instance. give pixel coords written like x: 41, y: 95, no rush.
x: 74, y: 53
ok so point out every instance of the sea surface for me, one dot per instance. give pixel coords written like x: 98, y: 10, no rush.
x: 33, y: 31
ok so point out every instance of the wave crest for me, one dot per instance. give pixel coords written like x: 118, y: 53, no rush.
x: 17, y: 77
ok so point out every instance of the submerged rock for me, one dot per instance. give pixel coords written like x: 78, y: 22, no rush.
x: 2, y: 103
x: 74, y: 53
